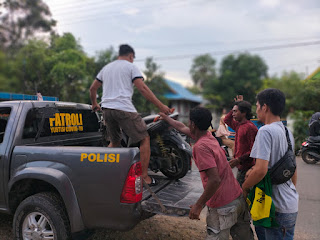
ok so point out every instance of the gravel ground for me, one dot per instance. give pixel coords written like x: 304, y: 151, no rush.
x: 158, y: 227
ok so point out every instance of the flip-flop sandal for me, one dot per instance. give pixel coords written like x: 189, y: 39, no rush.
x: 154, y: 182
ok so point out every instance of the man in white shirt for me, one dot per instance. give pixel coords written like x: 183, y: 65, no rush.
x: 117, y: 80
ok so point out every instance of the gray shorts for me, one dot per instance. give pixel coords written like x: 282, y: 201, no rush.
x: 129, y: 122
x: 232, y: 218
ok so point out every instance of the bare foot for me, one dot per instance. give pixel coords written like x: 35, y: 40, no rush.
x: 147, y: 179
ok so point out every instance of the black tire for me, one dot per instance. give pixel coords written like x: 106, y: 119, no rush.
x: 46, y: 208
x: 308, y: 158
x: 180, y: 160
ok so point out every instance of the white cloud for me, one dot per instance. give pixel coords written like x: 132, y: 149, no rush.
x: 131, y: 11
x: 174, y: 28
x: 180, y: 77
x: 270, y: 3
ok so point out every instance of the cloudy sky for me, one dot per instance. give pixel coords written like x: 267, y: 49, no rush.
x: 285, y: 33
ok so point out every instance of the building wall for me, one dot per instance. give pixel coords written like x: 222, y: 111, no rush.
x: 183, y: 108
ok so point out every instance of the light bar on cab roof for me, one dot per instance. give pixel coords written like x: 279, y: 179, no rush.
x: 66, y: 105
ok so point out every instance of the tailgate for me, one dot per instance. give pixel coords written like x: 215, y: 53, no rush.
x: 175, y: 195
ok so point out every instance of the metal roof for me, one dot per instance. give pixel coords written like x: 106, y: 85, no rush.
x: 315, y: 75
x: 178, y: 92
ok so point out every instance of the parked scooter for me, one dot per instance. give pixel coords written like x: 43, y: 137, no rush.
x: 170, y: 153
x: 310, y: 149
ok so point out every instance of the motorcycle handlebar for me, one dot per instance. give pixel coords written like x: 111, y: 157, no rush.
x: 156, y: 119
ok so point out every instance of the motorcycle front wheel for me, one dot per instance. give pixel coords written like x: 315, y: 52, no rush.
x: 179, y: 162
x: 308, y: 158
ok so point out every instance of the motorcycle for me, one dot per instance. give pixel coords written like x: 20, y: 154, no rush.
x: 310, y: 150
x: 170, y: 152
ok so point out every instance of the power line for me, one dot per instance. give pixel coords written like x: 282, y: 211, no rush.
x: 94, y: 8
x: 87, y: 8
x: 201, y: 44
x: 264, y: 48
x: 115, y: 14
x: 297, y: 63
x: 76, y: 4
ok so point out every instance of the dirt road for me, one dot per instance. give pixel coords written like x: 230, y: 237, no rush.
x: 156, y: 228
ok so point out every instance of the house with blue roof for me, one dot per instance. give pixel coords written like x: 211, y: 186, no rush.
x: 181, y: 99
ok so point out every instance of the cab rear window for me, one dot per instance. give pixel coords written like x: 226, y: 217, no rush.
x: 4, y: 117
x: 59, y: 122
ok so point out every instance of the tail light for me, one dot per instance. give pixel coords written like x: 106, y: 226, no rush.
x: 304, y: 144
x: 132, y: 190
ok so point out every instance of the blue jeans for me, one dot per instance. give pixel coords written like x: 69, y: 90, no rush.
x: 285, y: 231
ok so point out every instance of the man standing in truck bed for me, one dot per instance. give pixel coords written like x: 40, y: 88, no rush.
x: 117, y: 80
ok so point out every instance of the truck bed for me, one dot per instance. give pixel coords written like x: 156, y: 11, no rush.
x: 175, y: 195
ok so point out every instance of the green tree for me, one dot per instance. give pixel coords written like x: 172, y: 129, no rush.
x: 300, y: 127
x: 22, y: 20
x: 194, y: 89
x: 302, y: 100
x: 72, y: 70
x: 65, y: 42
x: 104, y: 57
x: 292, y: 85
x: 203, y: 70
x: 70, y: 77
x: 155, y: 81
x: 8, y: 80
x: 60, y: 69
x: 31, y: 64
x: 312, y: 93
x: 242, y: 74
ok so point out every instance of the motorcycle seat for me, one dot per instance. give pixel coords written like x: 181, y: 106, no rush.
x: 314, y: 139
x: 149, y: 119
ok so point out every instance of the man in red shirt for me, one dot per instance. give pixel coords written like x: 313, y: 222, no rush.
x: 227, y: 209
x: 239, y: 120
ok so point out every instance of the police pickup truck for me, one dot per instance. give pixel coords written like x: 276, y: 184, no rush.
x: 58, y: 179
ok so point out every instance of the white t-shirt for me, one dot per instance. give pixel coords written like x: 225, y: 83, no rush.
x: 271, y: 144
x: 117, y: 83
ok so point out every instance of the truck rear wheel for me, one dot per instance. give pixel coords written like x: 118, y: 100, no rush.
x: 41, y: 216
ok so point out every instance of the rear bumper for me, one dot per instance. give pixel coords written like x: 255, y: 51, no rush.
x: 121, y: 218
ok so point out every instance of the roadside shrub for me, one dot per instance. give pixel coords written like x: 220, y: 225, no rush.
x: 300, y: 127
